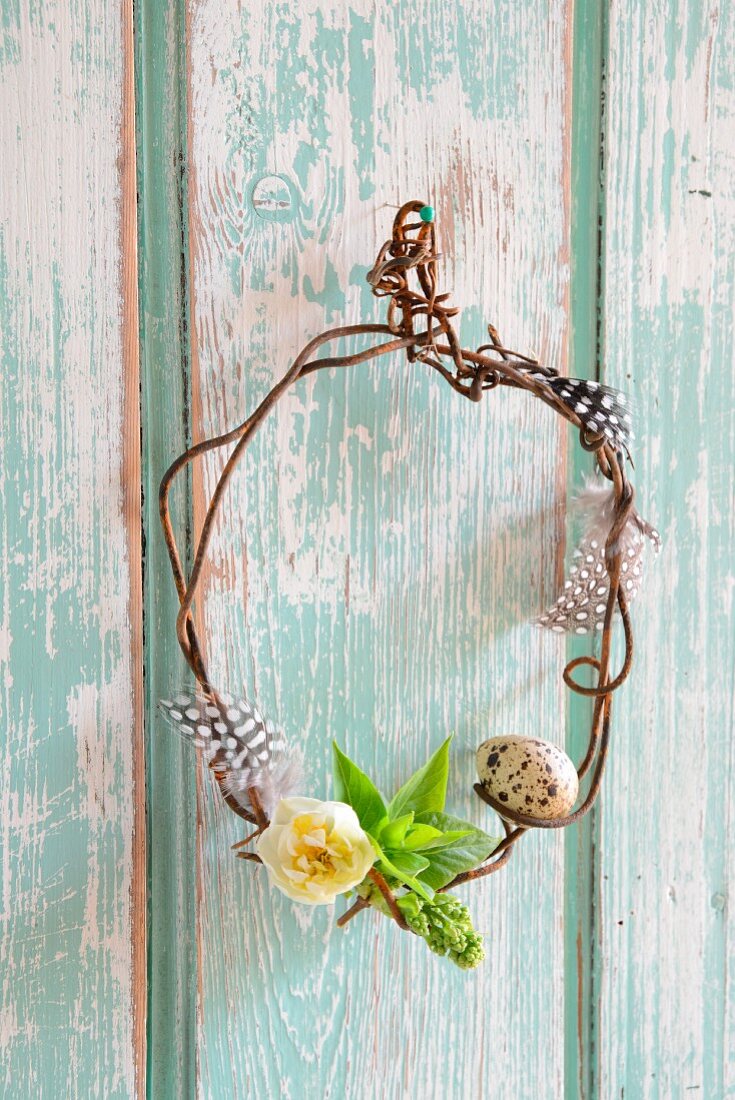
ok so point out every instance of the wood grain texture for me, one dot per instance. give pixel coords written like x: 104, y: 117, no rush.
x: 383, y: 551
x: 664, y: 977
x: 72, y: 990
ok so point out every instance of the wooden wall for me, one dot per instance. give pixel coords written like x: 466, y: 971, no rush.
x: 386, y: 544
x: 72, y: 820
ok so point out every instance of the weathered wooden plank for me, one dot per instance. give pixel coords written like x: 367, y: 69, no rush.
x: 383, y: 549
x: 664, y: 975
x: 72, y: 916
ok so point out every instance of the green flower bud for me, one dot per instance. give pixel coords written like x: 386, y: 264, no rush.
x: 446, y: 926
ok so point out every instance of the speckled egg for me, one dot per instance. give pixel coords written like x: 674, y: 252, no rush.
x: 528, y: 776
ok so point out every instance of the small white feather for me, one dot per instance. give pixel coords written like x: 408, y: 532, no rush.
x: 582, y: 607
x: 594, y: 506
x: 280, y: 779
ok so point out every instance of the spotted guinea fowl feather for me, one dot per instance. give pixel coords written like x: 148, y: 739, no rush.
x: 246, y: 749
x: 602, y: 410
x: 581, y: 607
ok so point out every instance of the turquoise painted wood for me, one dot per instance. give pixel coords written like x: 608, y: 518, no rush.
x: 72, y: 911
x: 663, y: 971
x: 387, y: 541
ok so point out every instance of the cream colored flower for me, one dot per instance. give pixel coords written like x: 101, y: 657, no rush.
x: 315, y: 850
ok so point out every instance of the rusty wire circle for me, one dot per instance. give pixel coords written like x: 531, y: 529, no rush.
x: 419, y: 323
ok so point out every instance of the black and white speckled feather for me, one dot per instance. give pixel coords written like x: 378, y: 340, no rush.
x: 602, y: 410
x: 580, y: 609
x: 235, y: 738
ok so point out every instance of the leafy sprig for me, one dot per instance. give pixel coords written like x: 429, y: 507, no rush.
x: 419, y: 849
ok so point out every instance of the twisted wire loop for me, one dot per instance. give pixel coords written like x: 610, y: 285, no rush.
x: 419, y: 323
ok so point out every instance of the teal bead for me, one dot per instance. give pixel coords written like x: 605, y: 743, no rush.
x: 426, y: 213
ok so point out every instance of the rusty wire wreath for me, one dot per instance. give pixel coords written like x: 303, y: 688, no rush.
x: 419, y: 322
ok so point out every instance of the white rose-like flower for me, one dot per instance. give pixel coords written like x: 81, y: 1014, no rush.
x: 315, y: 850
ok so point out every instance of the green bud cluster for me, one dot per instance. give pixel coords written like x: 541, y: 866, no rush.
x: 446, y: 925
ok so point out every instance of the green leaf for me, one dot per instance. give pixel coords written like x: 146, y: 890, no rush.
x: 410, y: 863
x: 393, y: 833
x: 389, y: 868
x: 353, y: 787
x: 444, y: 840
x: 420, y: 836
x: 463, y: 854
x: 426, y: 790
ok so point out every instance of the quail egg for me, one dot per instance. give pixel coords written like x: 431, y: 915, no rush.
x: 528, y: 776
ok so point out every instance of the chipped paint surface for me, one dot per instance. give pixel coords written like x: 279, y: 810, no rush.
x: 387, y: 542
x: 71, y: 1004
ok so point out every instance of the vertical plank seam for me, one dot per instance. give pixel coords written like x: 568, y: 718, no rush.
x: 595, y: 822
x: 196, y: 505
x: 132, y: 474
x: 161, y: 174
x: 587, y: 313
